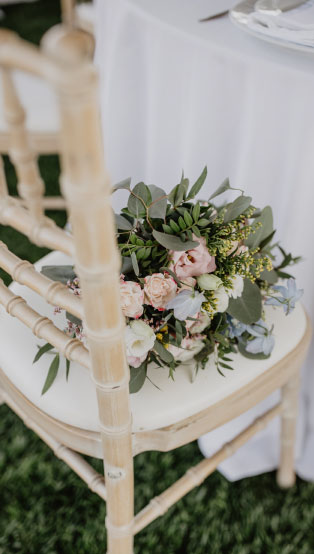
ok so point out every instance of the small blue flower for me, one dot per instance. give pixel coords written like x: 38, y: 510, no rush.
x: 287, y: 298
x: 186, y: 304
x: 263, y: 342
x: 236, y: 328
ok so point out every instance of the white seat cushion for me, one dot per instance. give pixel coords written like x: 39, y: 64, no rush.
x: 39, y: 102
x: 74, y: 402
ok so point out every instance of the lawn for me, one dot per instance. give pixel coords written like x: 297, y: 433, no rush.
x: 46, y: 509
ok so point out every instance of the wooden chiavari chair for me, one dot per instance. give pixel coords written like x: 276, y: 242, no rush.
x: 94, y: 414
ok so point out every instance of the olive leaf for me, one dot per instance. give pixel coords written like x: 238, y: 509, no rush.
x: 42, y: 350
x: 173, y: 243
x: 137, y: 377
x: 198, y: 184
x: 225, y: 185
x: 135, y: 264
x: 247, y: 308
x: 52, y: 373
x: 163, y: 353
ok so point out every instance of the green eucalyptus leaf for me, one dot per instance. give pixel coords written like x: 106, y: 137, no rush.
x: 270, y: 276
x: 42, y: 350
x: 127, y: 265
x: 125, y: 184
x: 62, y: 273
x: 135, y: 264
x: 225, y: 185
x: 137, y: 377
x: 198, y: 184
x: 173, y: 243
x: 52, y: 373
x: 267, y: 240
x: 163, y: 353
x: 122, y: 223
x: 67, y: 366
x: 247, y: 308
x: 266, y: 220
x: 196, y: 212
x: 158, y: 209
x: 136, y: 204
x: 237, y: 207
x: 246, y: 354
x: 73, y: 318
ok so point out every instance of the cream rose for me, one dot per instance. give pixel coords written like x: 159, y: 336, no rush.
x: 194, y: 327
x: 132, y: 299
x: 159, y: 289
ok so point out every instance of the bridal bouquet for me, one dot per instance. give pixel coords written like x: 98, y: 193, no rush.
x: 195, y: 277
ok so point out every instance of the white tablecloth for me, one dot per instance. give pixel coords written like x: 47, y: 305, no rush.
x: 177, y: 94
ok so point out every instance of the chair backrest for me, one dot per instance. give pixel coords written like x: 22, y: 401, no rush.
x: 63, y: 61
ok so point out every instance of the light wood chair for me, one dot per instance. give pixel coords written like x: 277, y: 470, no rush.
x: 94, y: 414
x: 39, y: 102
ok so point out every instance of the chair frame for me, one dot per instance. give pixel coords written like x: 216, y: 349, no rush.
x: 63, y: 61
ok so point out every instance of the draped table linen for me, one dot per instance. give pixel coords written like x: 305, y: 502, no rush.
x: 178, y: 94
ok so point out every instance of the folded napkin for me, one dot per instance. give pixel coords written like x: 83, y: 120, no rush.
x: 295, y: 26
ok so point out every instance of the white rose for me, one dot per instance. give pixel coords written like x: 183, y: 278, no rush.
x: 237, y: 286
x: 139, y: 339
x: 188, y: 349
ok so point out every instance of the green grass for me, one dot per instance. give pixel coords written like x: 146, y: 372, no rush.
x: 46, y: 509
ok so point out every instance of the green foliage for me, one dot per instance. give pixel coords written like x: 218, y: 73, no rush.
x: 62, y: 273
x: 265, y: 220
x: 237, y: 207
x: 198, y: 184
x: 242, y: 349
x: 247, y: 308
x: 137, y: 377
x: 52, y: 373
x: 173, y: 243
x: 42, y: 350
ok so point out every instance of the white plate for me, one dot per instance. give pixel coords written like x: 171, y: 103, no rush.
x: 241, y: 23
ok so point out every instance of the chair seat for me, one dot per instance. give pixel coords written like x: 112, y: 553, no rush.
x: 74, y: 402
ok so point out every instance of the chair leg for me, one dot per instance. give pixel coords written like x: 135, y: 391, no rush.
x: 290, y: 393
x: 119, y: 479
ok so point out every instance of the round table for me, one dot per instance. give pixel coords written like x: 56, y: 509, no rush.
x: 179, y: 94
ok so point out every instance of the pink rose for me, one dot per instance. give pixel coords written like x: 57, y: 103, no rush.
x: 188, y: 284
x: 136, y: 361
x: 132, y: 299
x: 193, y: 262
x: 159, y: 290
